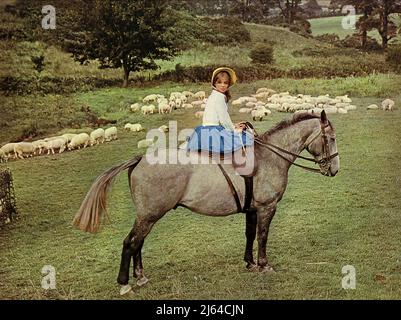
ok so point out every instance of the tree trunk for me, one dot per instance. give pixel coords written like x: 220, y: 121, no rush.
x: 384, y: 33
x: 126, y: 76
x: 364, y: 27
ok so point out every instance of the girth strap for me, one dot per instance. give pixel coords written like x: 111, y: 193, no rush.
x: 248, y: 191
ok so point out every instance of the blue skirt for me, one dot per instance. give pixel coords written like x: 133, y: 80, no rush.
x: 218, y: 139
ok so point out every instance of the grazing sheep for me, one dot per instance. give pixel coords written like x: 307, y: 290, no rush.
x: 110, y: 134
x: 68, y: 136
x: 97, y: 136
x: 22, y: 148
x: 188, y: 106
x: 150, y: 109
x: 55, y: 144
x: 163, y: 128
x: 165, y: 107
x: 245, y: 110
x: 372, y: 107
x: 199, y: 114
x: 135, y: 107
x: 257, y: 115
x: 150, y: 98
x: 79, y: 140
x: 388, y: 104
x: 342, y: 110
x: 3, y: 157
x: 200, y: 95
x: 350, y: 107
x: 136, y: 127
x: 145, y: 143
x: 8, y: 150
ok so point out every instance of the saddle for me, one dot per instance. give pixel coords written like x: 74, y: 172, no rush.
x: 245, y: 165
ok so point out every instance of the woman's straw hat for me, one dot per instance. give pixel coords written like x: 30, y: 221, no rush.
x: 231, y: 73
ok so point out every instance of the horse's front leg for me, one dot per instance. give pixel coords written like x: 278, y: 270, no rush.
x: 265, y: 216
x: 250, y: 233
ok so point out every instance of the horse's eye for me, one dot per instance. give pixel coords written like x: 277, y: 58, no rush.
x: 332, y: 139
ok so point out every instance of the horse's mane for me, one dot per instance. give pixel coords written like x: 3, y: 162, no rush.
x: 289, y: 122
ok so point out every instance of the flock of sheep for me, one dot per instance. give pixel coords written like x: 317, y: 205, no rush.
x: 258, y: 106
x: 68, y: 141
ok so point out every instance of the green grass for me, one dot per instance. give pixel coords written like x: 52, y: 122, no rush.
x: 321, y: 26
x: 321, y: 225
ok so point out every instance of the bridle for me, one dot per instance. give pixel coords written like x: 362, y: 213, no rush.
x: 324, y: 162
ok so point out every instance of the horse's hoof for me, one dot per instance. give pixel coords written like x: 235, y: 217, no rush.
x: 141, y: 282
x: 125, y: 289
x: 266, y: 269
x: 252, y: 267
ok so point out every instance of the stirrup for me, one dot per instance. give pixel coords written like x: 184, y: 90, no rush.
x: 250, y: 210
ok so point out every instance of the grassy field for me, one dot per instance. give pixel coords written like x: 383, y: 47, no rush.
x: 321, y: 225
x: 335, y: 25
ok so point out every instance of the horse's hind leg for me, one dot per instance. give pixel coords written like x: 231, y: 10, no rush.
x: 250, y: 232
x: 123, y: 275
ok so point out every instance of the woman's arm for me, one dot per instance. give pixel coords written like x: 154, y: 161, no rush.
x: 224, y: 117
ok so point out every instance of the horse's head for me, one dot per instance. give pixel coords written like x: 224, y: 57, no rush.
x: 323, y: 146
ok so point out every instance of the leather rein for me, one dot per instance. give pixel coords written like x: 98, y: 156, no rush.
x: 324, y: 162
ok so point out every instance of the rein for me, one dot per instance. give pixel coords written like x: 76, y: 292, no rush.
x: 324, y: 161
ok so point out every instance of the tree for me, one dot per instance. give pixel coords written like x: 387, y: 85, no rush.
x: 128, y: 34
x: 125, y: 34
x: 289, y: 9
x: 251, y: 10
x: 387, y: 28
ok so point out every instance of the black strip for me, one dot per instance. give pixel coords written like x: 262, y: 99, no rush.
x: 232, y: 189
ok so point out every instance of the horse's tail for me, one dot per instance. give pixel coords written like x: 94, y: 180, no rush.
x: 94, y: 205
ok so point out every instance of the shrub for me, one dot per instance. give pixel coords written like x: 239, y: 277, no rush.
x: 394, y: 57
x: 262, y: 54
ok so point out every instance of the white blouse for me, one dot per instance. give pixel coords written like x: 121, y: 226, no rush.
x: 216, y: 111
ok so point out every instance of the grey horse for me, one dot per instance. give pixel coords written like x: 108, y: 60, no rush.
x: 158, y: 188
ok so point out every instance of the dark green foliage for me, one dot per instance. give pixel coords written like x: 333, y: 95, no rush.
x: 39, y: 62
x: 394, y: 57
x: 262, y: 54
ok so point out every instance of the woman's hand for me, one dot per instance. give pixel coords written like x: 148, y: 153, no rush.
x: 239, y: 127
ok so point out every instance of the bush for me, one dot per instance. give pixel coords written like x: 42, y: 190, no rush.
x: 262, y: 54
x: 394, y: 57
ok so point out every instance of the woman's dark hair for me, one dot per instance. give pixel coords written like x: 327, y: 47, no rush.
x: 227, y: 93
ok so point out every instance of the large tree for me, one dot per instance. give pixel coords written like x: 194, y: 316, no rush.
x: 125, y: 34
x: 289, y: 9
x: 128, y: 34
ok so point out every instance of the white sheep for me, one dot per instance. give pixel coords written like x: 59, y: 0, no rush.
x: 372, y: 107
x: 388, y: 104
x: 145, y: 143
x: 150, y: 109
x: 163, y: 128
x: 22, y: 148
x: 3, y: 157
x: 68, y: 136
x: 79, y: 140
x: 200, y: 95
x: 165, y: 107
x: 150, y: 98
x: 257, y: 115
x: 136, y: 127
x: 53, y: 144
x: 97, y: 136
x: 245, y: 110
x: 187, y: 106
x: 135, y: 107
x: 8, y: 150
x: 110, y: 134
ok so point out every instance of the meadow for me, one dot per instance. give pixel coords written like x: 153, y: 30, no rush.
x: 321, y: 225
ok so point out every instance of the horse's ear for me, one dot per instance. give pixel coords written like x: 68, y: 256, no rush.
x: 323, y: 117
